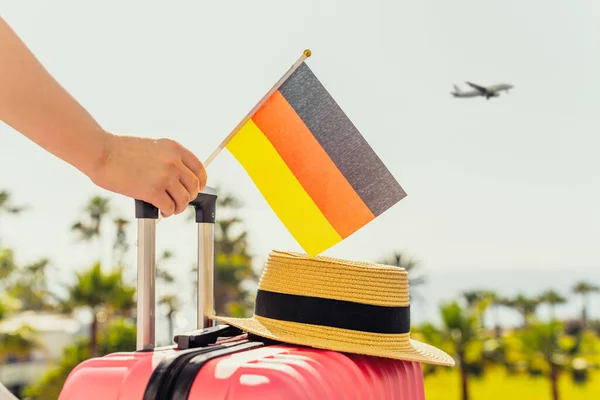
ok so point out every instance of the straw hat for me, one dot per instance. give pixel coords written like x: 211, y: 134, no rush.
x: 333, y: 304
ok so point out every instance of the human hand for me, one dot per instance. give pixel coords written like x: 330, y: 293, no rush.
x: 159, y: 171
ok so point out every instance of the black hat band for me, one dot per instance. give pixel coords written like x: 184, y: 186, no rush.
x: 332, y: 313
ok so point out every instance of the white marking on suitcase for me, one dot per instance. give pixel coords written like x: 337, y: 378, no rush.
x: 227, y: 366
x: 253, y: 380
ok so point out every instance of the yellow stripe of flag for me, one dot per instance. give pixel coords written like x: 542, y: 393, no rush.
x: 281, y: 189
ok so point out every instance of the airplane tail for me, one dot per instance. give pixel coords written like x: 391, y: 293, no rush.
x: 456, y: 89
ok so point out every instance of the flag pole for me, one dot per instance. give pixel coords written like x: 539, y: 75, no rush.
x: 305, y: 55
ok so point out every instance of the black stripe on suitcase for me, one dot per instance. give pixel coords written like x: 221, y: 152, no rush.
x: 168, y: 367
x: 173, y: 378
x: 186, y: 378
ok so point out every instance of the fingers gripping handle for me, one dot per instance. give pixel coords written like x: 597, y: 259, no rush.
x: 147, y: 215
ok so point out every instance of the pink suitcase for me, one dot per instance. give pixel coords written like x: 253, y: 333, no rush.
x: 221, y: 362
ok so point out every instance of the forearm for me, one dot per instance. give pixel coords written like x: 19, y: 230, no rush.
x: 35, y: 104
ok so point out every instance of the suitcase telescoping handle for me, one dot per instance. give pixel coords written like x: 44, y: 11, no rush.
x: 147, y: 215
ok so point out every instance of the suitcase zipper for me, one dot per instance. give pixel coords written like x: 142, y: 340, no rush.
x: 164, y: 380
x: 155, y: 389
x: 187, y: 375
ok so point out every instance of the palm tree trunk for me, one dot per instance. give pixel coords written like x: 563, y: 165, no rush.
x: 94, y: 335
x: 554, y: 382
x: 464, y: 379
x: 553, y: 310
x: 170, y: 318
x: 525, y: 320
x: 584, y: 311
x: 497, y: 318
x: 99, y: 249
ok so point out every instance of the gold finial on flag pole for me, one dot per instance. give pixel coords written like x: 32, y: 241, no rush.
x: 305, y: 54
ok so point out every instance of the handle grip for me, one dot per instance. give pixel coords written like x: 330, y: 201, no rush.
x: 147, y: 216
x: 205, y: 205
x: 145, y: 210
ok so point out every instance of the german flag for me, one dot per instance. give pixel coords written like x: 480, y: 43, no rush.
x: 314, y: 168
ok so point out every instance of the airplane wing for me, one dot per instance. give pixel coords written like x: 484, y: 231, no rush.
x: 477, y: 87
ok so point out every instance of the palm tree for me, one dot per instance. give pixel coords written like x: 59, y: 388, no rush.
x: 102, y: 293
x: 88, y: 228
x: 163, y: 273
x: 543, y: 341
x: 8, y: 305
x: 525, y: 306
x: 171, y: 303
x: 412, y: 267
x: 475, y: 297
x: 231, y: 271
x: 552, y: 298
x: 7, y: 264
x: 585, y: 289
x: 96, y: 209
x: 121, y: 246
x: 496, y: 301
x: 26, y: 284
x: 31, y: 287
x: 6, y: 206
x: 462, y: 329
x: 20, y: 342
x: 480, y: 300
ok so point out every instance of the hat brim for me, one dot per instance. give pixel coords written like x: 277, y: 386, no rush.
x: 399, y: 347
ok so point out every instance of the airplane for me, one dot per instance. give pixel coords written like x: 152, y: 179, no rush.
x: 484, y: 91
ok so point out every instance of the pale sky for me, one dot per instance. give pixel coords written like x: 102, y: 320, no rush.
x: 505, y: 183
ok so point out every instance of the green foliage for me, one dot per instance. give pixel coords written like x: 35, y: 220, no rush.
x: 552, y: 297
x: 6, y: 204
x: 171, y: 303
x: 24, y: 288
x: 232, y: 270
x: 18, y: 343
x: 543, y: 344
x: 526, y: 306
x: 120, y: 246
x: 498, y: 385
x: 460, y: 325
x: 585, y: 288
x: 103, y: 293
x: 7, y: 264
x: 120, y: 336
x: 48, y: 387
x: 93, y: 288
x: 30, y: 286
